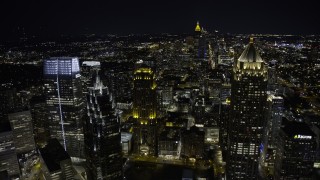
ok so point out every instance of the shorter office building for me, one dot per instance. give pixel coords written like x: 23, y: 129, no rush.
x: 55, y: 161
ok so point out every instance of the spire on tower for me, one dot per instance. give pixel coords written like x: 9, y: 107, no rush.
x: 197, y: 29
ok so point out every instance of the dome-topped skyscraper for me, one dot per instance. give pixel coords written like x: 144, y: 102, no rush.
x: 248, y: 99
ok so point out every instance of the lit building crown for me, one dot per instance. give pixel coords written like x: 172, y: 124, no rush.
x: 250, y: 63
x: 197, y: 29
x: 61, y: 65
x: 250, y: 54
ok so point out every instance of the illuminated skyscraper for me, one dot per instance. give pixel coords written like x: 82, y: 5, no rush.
x: 144, y: 110
x: 248, y: 99
x: 200, y: 44
x: 102, y: 135
x: 65, y: 103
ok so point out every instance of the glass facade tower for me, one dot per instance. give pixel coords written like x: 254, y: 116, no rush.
x: 65, y: 103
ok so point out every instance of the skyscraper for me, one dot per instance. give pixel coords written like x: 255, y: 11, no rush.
x: 102, y: 134
x: 39, y: 119
x: 273, y: 118
x: 8, y: 155
x: 65, y: 103
x: 144, y: 110
x: 248, y: 99
x: 200, y: 44
x: 21, y: 124
x: 297, y: 149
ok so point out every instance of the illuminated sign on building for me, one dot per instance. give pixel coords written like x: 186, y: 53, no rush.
x: 316, y: 165
x: 298, y: 136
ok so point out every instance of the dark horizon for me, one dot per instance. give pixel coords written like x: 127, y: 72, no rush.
x: 47, y: 19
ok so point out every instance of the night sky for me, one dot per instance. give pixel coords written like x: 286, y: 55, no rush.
x: 52, y: 17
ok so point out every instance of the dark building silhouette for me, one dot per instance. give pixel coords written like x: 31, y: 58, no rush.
x: 9, y: 101
x: 39, y: 115
x: 4, y: 175
x: 248, y: 99
x: 297, y: 146
x: 102, y: 134
x: 55, y: 161
x: 192, y: 142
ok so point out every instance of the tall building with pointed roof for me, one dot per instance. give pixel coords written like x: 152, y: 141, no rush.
x: 102, y: 135
x: 200, y: 42
x: 198, y: 28
x: 248, y: 99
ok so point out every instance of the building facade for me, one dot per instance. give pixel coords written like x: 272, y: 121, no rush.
x: 8, y: 155
x: 21, y: 123
x: 248, y: 99
x: 102, y: 135
x: 65, y: 103
x: 144, y: 110
x: 273, y: 117
x: 297, y: 146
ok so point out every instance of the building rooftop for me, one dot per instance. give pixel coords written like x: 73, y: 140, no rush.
x: 53, y: 154
x: 250, y: 54
x: 293, y: 128
x: 90, y: 63
x: 170, y: 134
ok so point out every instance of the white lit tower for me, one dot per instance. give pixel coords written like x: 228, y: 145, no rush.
x: 65, y: 103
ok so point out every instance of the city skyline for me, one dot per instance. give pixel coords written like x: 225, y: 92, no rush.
x: 49, y: 20
x: 150, y: 90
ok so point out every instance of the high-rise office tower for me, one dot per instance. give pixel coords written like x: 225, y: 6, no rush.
x: 273, y: 118
x: 274, y: 110
x: 144, y: 110
x: 200, y: 44
x: 102, y: 134
x: 39, y: 119
x: 65, y: 103
x: 21, y: 124
x: 8, y: 155
x: 248, y: 99
x: 297, y: 149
